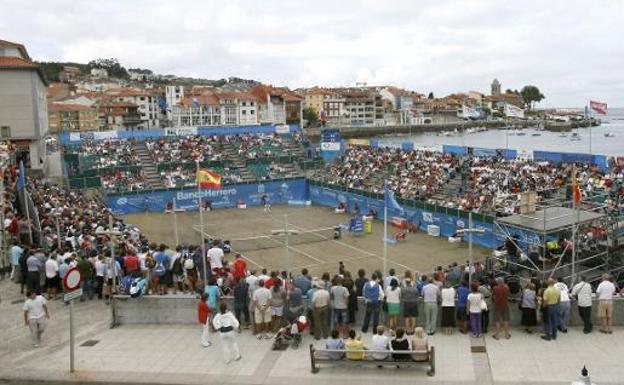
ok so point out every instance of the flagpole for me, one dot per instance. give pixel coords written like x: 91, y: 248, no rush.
x: 175, y: 223
x: 201, y: 225
x: 385, y: 237
x: 30, y: 236
x: 590, y: 134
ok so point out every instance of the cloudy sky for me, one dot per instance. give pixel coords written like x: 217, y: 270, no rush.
x: 571, y: 49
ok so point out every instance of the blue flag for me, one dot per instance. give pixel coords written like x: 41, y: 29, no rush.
x: 390, y: 201
x: 21, y: 180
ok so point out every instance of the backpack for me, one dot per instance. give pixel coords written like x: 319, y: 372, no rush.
x: 177, y: 267
x: 189, y: 264
x: 160, y: 269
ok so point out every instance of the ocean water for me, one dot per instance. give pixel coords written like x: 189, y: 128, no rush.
x: 548, y: 141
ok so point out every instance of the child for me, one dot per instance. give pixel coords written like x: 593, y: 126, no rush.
x: 203, y: 317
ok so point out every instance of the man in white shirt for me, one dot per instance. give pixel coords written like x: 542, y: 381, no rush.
x: 380, y: 342
x: 582, y: 291
x: 261, y: 303
x: 35, y: 315
x: 215, y: 256
x: 52, y: 276
x: 431, y: 296
x: 564, y: 305
x: 605, y: 292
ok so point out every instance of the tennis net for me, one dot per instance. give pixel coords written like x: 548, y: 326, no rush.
x: 277, y: 238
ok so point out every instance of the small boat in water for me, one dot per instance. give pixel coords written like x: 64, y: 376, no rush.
x: 536, y: 134
x: 520, y: 133
x: 609, y: 135
x: 575, y: 137
x: 563, y: 135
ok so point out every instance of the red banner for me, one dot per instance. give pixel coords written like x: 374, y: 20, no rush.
x: 598, y: 107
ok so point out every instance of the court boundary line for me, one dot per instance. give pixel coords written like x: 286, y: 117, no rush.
x: 368, y: 253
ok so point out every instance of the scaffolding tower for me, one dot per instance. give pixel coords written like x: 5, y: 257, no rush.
x: 556, y: 239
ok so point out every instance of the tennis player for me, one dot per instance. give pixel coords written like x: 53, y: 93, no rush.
x: 265, y: 202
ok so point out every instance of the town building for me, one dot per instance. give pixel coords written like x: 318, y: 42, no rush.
x: 69, y: 74
x: 146, y: 101
x: 173, y: 96
x: 114, y: 115
x: 72, y: 117
x: 278, y: 105
x: 23, y: 106
x: 99, y: 73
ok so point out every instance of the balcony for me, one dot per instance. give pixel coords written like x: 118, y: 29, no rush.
x: 132, y: 119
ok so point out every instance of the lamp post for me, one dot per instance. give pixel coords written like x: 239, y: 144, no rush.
x: 470, y: 230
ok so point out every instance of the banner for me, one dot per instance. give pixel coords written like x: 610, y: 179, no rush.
x: 182, y: 131
x: 448, y: 223
x: 513, y: 111
x: 470, y: 112
x: 101, y: 135
x: 229, y: 196
x: 598, y: 107
x: 282, y: 129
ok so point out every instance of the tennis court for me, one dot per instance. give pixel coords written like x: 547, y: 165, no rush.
x: 311, y: 244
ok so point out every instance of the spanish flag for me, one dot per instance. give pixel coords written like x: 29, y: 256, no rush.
x: 576, y: 189
x: 208, y: 179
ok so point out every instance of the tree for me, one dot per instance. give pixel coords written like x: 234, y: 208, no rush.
x: 530, y: 95
x: 310, y: 115
x: 430, y: 95
x: 112, y: 66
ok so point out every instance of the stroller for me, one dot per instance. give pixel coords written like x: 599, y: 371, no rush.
x: 290, y: 334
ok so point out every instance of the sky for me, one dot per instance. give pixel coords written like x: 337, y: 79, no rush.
x: 570, y: 49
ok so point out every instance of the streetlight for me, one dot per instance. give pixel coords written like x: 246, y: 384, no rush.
x: 111, y: 234
x: 470, y: 230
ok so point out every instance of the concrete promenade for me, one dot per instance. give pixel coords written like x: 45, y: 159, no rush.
x: 171, y: 354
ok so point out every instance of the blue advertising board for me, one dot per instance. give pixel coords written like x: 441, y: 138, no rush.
x: 226, y: 197
x: 422, y: 218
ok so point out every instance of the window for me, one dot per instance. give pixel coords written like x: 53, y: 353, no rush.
x: 251, y: 112
x: 244, y: 112
x: 5, y: 131
x: 244, y: 104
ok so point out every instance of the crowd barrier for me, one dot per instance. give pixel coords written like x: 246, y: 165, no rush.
x: 66, y: 138
x: 228, y: 196
x: 417, y: 212
x: 182, y: 309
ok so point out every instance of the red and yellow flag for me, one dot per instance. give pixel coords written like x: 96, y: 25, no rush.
x: 576, y: 189
x: 208, y: 179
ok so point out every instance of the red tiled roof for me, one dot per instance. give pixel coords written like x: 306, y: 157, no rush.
x: 119, y: 105
x: 16, y: 62
x: 57, y: 107
x: 20, y: 47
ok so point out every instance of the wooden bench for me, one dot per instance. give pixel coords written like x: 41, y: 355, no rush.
x: 321, y: 355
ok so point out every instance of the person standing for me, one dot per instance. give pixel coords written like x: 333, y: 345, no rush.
x: 431, y: 297
x: 100, y: 272
x: 320, y: 304
x: 475, y: 306
x: 33, y: 266
x: 564, y: 305
x: 582, y: 291
x: 239, y: 267
x: 500, y: 297
x: 278, y: 297
x: 448, y: 308
x: 552, y: 296
x: 35, y: 315
x: 528, y: 306
x: 340, y: 302
x: 16, y: 252
x: 261, y: 303
x: 462, y: 300
x: 605, y: 292
x: 393, y: 300
x: 203, y: 318
x: 86, y: 278
x: 226, y: 324
x: 371, y: 292
x: 241, y: 302
x: 52, y: 276
x: 409, y: 299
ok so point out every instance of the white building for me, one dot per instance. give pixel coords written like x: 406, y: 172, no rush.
x: 173, y: 96
x: 23, y: 105
x: 140, y: 76
x: 216, y: 109
x: 147, y: 102
x: 99, y: 73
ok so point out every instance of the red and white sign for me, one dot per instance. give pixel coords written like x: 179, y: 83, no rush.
x: 598, y: 107
x: 72, y: 279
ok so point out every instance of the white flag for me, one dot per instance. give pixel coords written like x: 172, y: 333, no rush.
x: 513, y: 111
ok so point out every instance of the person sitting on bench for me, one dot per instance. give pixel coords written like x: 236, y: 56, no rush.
x: 420, y: 345
x: 354, y: 343
x: 400, y: 343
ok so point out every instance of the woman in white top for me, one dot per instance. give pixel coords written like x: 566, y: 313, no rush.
x: 448, y: 308
x: 475, y: 299
x: 226, y: 324
x: 393, y: 300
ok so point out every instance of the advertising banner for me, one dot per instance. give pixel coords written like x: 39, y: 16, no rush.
x: 278, y: 192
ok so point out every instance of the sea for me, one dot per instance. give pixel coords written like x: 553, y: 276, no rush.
x: 612, y: 124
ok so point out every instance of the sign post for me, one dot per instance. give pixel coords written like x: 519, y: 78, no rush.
x: 71, y: 282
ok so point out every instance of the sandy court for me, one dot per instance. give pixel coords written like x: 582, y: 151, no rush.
x: 418, y: 252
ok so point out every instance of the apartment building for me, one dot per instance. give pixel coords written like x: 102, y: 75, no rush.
x: 72, y: 117
x: 146, y: 101
x: 23, y: 106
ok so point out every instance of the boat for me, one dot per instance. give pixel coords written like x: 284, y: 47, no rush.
x: 575, y: 137
x: 536, y: 134
x: 609, y: 135
x: 520, y: 133
x: 563, y: 135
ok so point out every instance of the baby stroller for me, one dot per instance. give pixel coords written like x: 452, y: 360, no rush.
x: 137, y: 287
x: 290, y: 334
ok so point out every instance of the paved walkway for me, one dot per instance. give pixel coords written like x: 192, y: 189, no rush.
x: 171, y: 354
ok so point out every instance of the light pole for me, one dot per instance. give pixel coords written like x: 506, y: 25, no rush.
x: 470, y: 230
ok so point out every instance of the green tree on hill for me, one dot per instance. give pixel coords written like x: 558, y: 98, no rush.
x: 531, y: 95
